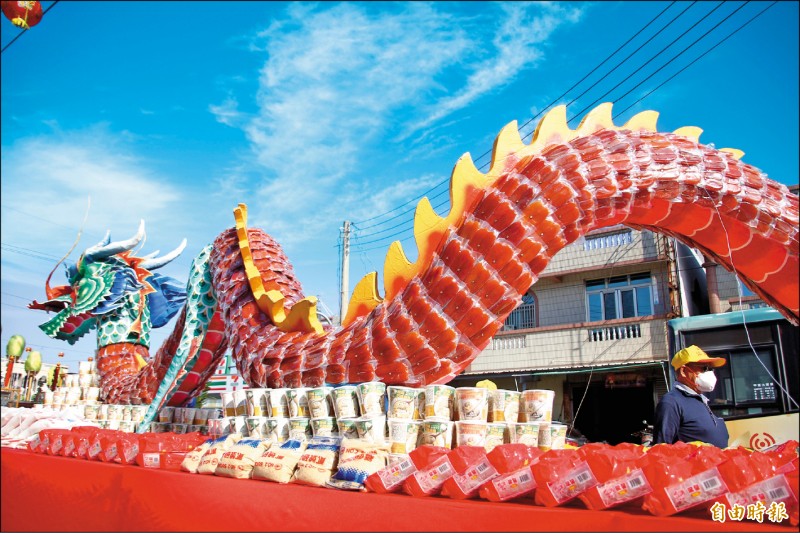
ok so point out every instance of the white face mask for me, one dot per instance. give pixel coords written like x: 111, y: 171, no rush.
x: 706, y: 381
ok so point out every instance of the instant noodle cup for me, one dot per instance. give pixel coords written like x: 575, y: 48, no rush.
x: 113, y: 424
x: 93, y: 394
x: 228, y: 403
x: 255, y: 426
x: 90, y: 412
x: 471, y: 433
x: 297, y: 399
x: 419, y: 412
x: 537, y: 405
x: 403, y: 435
x: 472, y: 403
x: 240, y: 402
x: 324, y: 426
x: 175, y: 428
x: 127, y: 412
x: 347, y: 427
x: 345, y: 401
x: 371, y: 398
x: 402, y: 402
x: 545, y: 437
x: 201, y: 416
x: 300, y: 428
x: 527, y: 433
x: 495, y: 435
x: 126, y: 426
x: 276, y: 429
x: 214, y: 427
x: 114, y: 412
x: 504, y: 405
x: 372, y: 428
x: 558, y: 436
x: 319, y: 404
x: 188, y: 415
x: 138, y: 412
x: 237, y: 424
x: 279, y: 403
x: 437, y: 432
x: 439, y: 401
x: 165, y: 414
x: 257, y: 402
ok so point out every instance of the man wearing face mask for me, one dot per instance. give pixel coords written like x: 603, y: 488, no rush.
x: 683, y: 413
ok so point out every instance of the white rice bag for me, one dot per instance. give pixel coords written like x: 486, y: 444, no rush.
x: 193, y: 457
x: 317, y: 463
x: 208, y: 464
x: 238, y: 460
x: 357, y: 460
x: 278, y: 463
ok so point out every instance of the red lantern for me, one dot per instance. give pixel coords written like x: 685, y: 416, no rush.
x: 23, y: 14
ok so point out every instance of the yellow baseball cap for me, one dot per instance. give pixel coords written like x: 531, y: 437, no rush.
x: 693, y: 354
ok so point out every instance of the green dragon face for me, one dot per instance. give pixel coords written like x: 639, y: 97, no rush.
x: 95, y: 289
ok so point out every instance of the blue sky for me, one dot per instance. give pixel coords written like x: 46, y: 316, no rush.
x: 316, y: 113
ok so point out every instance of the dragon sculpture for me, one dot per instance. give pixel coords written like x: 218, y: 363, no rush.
x: 473, y: 265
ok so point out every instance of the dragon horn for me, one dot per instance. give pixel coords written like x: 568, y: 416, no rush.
x: 101, y: 251
x: 151, y: 254
x: 158, y: 262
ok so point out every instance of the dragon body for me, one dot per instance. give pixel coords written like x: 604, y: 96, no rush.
x: 473, y: 265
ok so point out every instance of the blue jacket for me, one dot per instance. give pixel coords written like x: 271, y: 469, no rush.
x: 684, y: 416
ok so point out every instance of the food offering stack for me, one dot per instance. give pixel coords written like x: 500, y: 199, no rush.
x: 183, y: 420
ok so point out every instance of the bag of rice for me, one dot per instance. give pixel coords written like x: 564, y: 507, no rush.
x: 278, y: 463
x: 316, y: 465
x: 208, y: 464
x: 238, y: 460
x: 193, y: 458
x: 357, y: 460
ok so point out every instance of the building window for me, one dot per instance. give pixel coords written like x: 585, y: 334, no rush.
x: 619, y: 297
x: 607, y: 240
x: 744, y: 385
x: 524, y: 316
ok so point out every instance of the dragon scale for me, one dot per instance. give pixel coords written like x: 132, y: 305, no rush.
x: 474, y: 265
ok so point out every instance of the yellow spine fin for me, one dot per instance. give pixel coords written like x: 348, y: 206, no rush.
x: 303, y: 314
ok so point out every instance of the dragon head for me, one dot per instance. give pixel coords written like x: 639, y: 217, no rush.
x: 109, y: 283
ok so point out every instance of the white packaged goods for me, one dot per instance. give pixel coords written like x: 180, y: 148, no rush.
x: 193, y: 458
x: 21, y: 424
x: 210, y: 460
x: 238, y: 460
x: 357, y: 460
x: 279, y: 462
x: 317, y: 463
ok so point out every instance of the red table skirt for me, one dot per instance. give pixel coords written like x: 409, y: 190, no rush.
x: 45, y: 493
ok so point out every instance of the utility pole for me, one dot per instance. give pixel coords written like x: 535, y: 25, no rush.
x: 343, y: 293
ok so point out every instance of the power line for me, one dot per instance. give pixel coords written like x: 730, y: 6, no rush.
x: 679, y: 15
x: 387, y: 238
x: 23, y: 31
x: 358, y: 244
x: 676, y: 56
x: 488, y: 152
x: 696, y: 59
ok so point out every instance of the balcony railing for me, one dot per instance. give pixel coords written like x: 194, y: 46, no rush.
x: 626, y: 331
x: 575, y: 346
